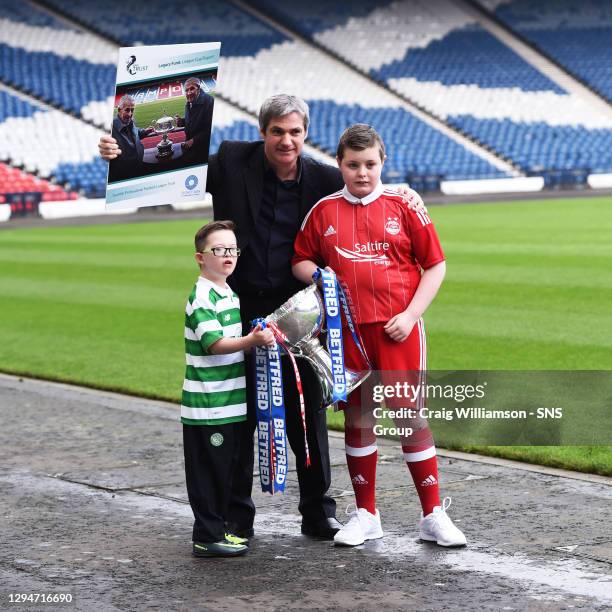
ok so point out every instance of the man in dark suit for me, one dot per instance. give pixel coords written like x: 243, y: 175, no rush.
x: 266, y: 188
x: 196, y: 121
x: 128, y: 137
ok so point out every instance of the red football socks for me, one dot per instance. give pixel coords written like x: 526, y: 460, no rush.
x: 423, y: 466
x: 361, y: 456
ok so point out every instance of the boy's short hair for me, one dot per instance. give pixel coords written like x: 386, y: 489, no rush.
x: 205, y: 231
x: 359, y: 137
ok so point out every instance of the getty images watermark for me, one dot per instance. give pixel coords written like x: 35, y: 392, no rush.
x: 405, y: 406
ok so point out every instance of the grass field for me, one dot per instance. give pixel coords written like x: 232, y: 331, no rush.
x: 529, y: 286
x: 146, y: 113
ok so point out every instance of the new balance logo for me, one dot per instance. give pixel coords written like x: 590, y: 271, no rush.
x: 359, y: 480
x: 429, y: 481
x: 330, y: 231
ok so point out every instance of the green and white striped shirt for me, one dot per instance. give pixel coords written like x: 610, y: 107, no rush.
x: 214, y: 390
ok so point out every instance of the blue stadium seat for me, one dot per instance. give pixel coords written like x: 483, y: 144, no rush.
x: 62, y: 81
x: 414, y: 148
x: 467, y: 55
x: 576, y: 35
x: 157, y: 22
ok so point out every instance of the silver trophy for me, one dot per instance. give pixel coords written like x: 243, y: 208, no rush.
x: 301, y: 319
x: 162, y: 126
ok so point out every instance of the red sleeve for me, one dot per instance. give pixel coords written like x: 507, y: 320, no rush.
x: 426, y: 245
x: 306, y: 245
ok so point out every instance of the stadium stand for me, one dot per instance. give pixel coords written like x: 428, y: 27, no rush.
x: 430, y: 52
x: 262, y: 61
x: 51, y: 143
x: 577, y: 35
x: 435, y: 54
x: 143, y: 22
x: 41, y: 55
x: 14, y: 180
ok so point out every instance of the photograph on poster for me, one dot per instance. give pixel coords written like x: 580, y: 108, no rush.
x: 162, y: 116
x: 162, y: 125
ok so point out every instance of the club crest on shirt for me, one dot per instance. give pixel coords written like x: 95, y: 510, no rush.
x: 392, y: 226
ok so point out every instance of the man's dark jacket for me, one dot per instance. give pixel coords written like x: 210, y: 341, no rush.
x: 131, y: 149
x: 198, y: 120
x: 236, y: 181
x: 129, y: 164
x: 236, y: 178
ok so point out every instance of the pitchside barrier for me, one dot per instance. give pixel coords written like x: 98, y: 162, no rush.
x: 93, y: 207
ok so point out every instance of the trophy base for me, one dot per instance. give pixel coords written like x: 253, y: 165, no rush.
x: 164, y: 154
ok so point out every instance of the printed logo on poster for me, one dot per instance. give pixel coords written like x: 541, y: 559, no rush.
x: 191, y: 187
x: 132, y: 67
x: 191, y: 182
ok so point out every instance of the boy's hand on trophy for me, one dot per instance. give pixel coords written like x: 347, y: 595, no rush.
x: 320, y: 279
x: 263, y: 337
x: 108, y: 147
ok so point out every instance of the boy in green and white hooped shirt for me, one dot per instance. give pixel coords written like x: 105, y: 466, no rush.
x: 213, y: 407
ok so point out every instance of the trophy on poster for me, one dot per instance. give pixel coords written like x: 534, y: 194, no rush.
x: 301, y: 319
x: 162, y: 126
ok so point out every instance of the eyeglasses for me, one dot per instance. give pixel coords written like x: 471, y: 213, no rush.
x: 223, y: 251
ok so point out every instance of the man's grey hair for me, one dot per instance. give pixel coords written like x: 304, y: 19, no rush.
x: 193, y: 80
x: 280, y: 106
x: 125, y: 100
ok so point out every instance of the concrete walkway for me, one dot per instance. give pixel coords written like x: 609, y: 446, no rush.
x: 93, y: 504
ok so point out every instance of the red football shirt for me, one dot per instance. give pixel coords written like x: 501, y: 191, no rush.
x: 376, y: 245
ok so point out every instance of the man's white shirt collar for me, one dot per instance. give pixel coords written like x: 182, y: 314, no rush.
x: 378, y: 191
x: 225, y: 291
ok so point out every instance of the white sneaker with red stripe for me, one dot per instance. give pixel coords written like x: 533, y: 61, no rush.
x: 361, y: 526
x: 437, y: 527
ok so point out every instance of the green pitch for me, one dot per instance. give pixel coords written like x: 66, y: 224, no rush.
x: 145, y: 114
x: 529, y: 286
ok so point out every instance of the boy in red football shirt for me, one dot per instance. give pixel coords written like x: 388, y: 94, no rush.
x: 390, y: 259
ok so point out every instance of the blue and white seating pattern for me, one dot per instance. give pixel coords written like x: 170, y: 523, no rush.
x: 434, y: 53
x: 158, y: 22
x: 427, y: 50
x: 68, y: 68
x: 265, y: 62
x: 51, y: 143
x: 578, y: 35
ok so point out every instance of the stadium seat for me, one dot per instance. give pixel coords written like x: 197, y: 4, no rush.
x: 14, y: 180
x: 260, y: 61
x: 429, y: 51
x: 576, y: 35
x: 41, y: 141
x: 435, y: 54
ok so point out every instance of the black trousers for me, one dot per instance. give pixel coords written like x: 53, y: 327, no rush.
x: 211, y: 466
x: 313, y: 481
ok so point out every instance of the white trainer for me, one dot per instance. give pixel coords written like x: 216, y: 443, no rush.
x: 361, y: 526
x: 438, y: 527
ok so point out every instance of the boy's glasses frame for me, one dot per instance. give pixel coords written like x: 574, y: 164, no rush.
x: 223, y: 251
